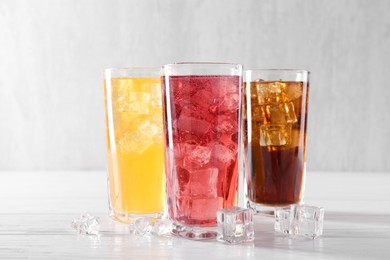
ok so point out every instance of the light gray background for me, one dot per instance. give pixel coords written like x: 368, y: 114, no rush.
x: 52, y: 54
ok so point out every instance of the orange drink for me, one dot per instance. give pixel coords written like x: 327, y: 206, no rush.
x: 135, y: 148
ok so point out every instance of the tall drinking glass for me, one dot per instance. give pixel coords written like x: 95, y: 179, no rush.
x: 135, y: 147
x: 275, y: 121
x: 202, y: 104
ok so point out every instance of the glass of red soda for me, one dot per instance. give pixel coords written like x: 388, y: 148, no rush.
x: 202, y: 110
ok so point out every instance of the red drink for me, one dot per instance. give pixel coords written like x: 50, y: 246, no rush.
x: 201, y: 120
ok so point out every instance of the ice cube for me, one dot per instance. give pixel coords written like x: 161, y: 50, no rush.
x: 193, y: 125
x: 204, y: 208
x: 294, y: 90
x: 225, y: 86
x: 182, y: 180
x: 230, y: 141
x: 284, y: 219
x: 203, y: 183
x: 191, y: 110
x: 148, y: 128
x: 156, y: 95
x: 271, y: 92
x: 136, y: 103
x: 142, y: 226
x: 275, y: 135
x: 279, y: 113
x: 300, y: 220
x: 222, y: 154
x: 135, y: 141
x: 230, y: 103
x: 235, y: 225
x: 225, y: 124
x: 257, y: 114
x: 197, y: 157
x: 309, y: 221
x: 202, y: 99
x: 162, y: 227
x: 139, y: 139
x: 86, y: 224
x: 120, y: 89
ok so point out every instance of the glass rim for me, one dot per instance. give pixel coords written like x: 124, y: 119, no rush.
x: 277, y: 70
x: 200, y: 63
x: 132, y: 68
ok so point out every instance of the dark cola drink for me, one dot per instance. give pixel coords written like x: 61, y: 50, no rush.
x: 275, y: 139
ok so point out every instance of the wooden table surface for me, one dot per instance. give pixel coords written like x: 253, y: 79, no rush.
x: 36, y: 209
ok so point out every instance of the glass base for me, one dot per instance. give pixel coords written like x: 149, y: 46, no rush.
x: 194, y: 233
x: 265, y: 210
x: 261, y: 209
x: 128, y: 218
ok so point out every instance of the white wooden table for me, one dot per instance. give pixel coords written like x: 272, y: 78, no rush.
x: 36, y: 209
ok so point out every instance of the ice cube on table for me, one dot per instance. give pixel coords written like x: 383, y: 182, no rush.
x: 86, y: 224
x: 162, y: 227
x: 204, y: 182
x: 310, y: 221
x: 142, y: 226
x: 275, y: 135
x: 284, y: 219
x: 235, y: 225
x: 300, y: 220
